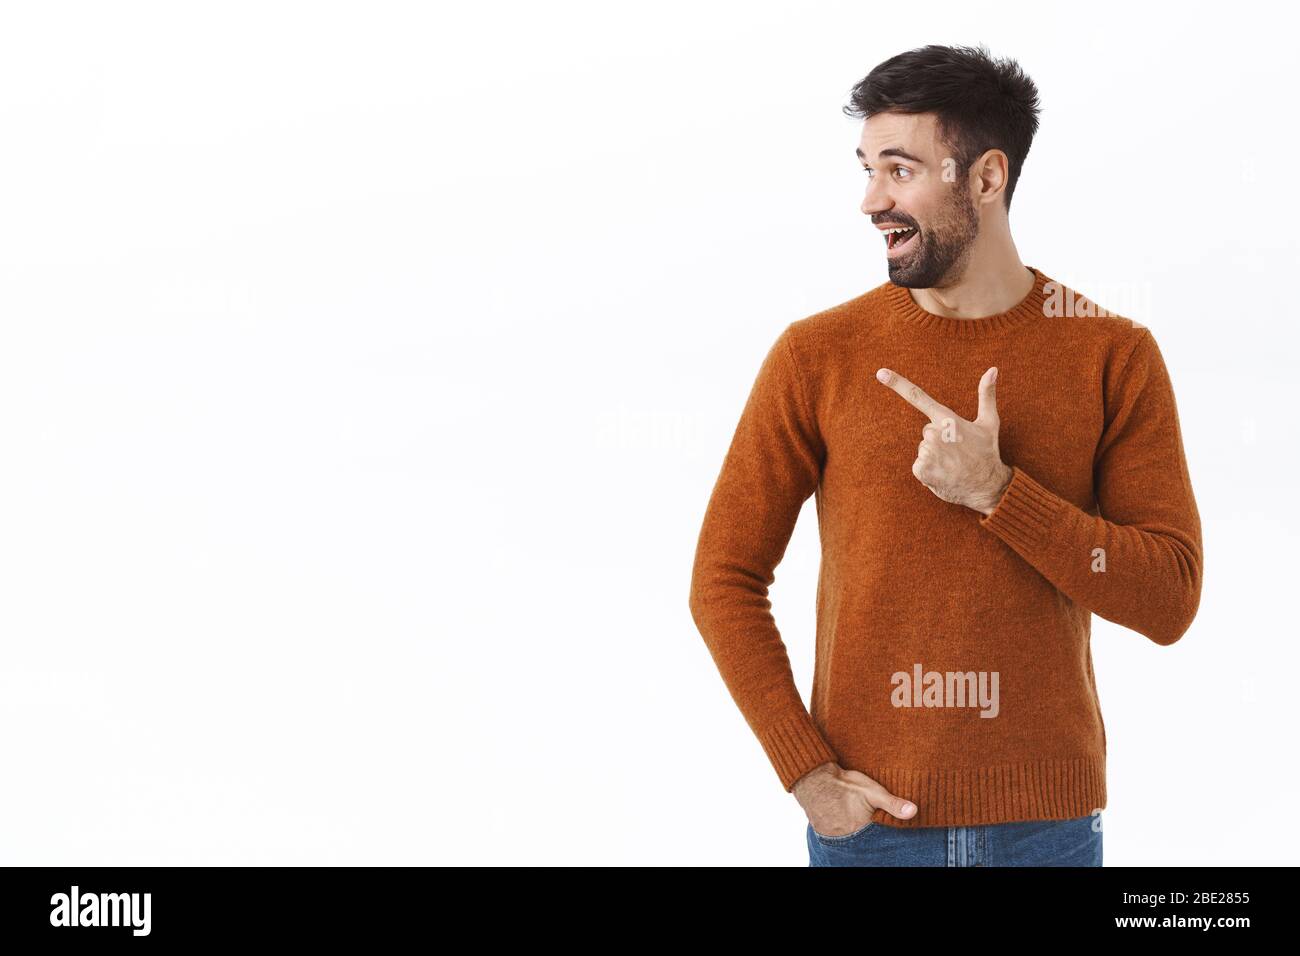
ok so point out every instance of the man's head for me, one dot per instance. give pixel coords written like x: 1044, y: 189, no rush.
x: 945, y: 135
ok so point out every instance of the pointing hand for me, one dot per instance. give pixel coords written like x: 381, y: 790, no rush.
x: 957, y: 459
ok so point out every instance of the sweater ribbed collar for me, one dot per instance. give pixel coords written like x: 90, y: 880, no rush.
x: 1032, y: 306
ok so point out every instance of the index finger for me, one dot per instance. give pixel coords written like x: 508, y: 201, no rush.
x: 915, y: 396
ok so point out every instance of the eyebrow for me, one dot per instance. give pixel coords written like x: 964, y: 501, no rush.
x: 892, y: 151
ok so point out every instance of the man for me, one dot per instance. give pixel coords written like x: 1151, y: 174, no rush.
x: 994, y: 460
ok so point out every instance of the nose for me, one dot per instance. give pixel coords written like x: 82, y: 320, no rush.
x: 876, y: 199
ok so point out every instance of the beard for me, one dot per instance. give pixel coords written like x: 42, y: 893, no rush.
x: 942, y: 249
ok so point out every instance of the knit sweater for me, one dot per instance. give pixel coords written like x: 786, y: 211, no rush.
x: 953, y: 661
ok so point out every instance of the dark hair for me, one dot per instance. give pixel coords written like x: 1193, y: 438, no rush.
x: 981, y: 103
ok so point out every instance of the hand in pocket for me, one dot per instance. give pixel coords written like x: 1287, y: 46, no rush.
x: 839, y: 802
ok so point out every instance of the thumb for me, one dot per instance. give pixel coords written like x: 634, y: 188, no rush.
x: 988, y: 407
x: 894, y: 806
x: 881, y: 798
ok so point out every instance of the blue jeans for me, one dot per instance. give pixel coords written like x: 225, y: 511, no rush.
x: 1074, y: 842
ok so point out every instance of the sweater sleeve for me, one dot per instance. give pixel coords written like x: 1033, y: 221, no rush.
x: 1137, y: 562
x: 772, y: 466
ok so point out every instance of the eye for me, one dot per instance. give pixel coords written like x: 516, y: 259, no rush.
x: 897, y: 169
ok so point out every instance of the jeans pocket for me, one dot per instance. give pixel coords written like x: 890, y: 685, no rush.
x: 841, y: 839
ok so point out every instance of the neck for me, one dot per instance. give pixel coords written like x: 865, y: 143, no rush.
x: 989, y: 285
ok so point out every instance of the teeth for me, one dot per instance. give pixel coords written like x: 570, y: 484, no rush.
x: 893, y: 235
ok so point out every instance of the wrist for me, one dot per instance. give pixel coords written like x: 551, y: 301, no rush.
x: 999, y: 485
x: 813, y: 779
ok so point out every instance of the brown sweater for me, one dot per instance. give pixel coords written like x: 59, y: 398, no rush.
x: 953, y: 662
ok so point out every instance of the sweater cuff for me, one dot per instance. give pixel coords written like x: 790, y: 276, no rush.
x: 795, y: 746
x: 1025, y: 514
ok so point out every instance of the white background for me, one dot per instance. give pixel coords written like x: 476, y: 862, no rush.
x: 366, y: 369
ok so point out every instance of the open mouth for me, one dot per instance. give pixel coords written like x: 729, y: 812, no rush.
x: 897, y: 238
